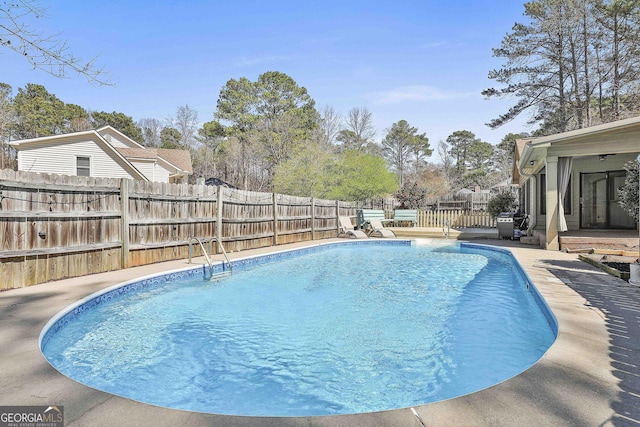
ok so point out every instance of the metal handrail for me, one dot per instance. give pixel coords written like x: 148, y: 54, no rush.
x: 448, y: 231
x: 224, y: 253
x: 204, y: 251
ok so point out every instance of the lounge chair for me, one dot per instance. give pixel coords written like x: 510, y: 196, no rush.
x: 346, y: 229
x: 405, y: 215
x: 377, y: 229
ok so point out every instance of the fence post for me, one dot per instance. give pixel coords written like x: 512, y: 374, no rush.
x: 275, y: 219
x: 337, y: 216
x: 219, y: 217
x: 124, y: 222
x: 313, y: 219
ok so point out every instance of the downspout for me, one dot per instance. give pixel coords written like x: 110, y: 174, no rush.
x: 533, y: 216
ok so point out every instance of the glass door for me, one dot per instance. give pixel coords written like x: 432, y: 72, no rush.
x: 599, y: 201
x: 594, y: 200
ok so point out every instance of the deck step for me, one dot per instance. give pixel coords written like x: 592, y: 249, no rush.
x: 575, y: 243
x: 530, y: 240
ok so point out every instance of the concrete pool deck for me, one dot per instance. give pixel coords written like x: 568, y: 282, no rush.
x: 589, y: 377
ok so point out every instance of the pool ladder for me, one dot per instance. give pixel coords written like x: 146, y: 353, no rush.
x: 219, y: 275
x: 446, y: 229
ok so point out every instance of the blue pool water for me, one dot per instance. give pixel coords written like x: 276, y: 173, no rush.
x: 343, y: 328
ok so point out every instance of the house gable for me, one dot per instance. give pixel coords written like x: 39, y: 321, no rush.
x: 110, y: 154
x: 117, y: 139
x: 58, y: 154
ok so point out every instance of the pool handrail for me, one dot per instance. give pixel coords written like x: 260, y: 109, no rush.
x: 204, y: 251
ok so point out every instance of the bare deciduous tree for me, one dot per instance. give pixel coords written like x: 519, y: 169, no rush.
x: 186, y: 122
x: 329, y: 125
x: 360, y: 122
x: 151, y: 129
x: 46, y: 52
x: 7, y: 118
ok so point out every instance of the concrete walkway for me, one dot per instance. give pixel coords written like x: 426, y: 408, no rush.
x: 589, y: 377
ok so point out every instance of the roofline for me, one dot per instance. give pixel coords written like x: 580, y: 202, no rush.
x: 591, y: 130
x: 536, y: 145
x: 93, y: 135
x: 184, y: 172
x: 116, y: 131
x: 63, y: 136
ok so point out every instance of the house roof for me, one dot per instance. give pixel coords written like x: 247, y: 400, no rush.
x: 622, y: 136
x: 179, y: 160
x: 83, y: 135
x: 138, y: 153
x: 609, y: 128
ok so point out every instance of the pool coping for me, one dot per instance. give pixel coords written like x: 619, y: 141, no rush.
x: 577, y: 382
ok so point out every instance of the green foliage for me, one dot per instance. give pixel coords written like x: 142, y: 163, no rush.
x: 401, y: 142
x: 475, y: 177
x: 170, y: 138
x: 411, y: 195
x: 560, y: 53
x: 38, y: 112
x: 271, y: 117
x: 474, y: 159
x: 351, y: 175
x: 306, y: 173
x: 460, y: 142
x: 480, y: 155
x: 119, y: 121
x: 503, y: 202
x: 277, y: 94
x: 76, y: 118
x: 244, y: 103
x: 628, y: 194
x: 360, y: 176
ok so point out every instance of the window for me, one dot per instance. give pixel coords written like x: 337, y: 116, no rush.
x: 83, y: 166
x: 543, y: 196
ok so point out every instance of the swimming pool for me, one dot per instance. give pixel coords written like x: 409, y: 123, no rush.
x: 339, y: 328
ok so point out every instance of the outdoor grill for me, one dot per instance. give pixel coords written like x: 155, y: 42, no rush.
x: 510, y: 224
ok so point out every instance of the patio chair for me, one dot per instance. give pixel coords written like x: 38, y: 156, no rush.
x: 378, y: 230
x: 346, y: 229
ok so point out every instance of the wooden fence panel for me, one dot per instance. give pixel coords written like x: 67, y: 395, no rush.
x: 54, y: 226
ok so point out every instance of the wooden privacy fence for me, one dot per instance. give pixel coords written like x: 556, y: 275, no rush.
x: 55, y: 226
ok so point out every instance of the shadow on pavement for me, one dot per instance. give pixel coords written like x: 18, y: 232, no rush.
x: 620, y: 302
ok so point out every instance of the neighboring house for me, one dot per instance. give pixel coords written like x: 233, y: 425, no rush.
x: 102, y: 153
x: 569, y: 181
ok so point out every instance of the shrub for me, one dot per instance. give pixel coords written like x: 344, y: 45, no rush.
x: 503, y: 202
x: 411, y: 195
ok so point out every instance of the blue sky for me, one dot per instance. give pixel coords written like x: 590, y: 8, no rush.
x: 422, y: 61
